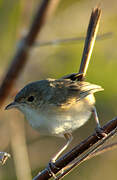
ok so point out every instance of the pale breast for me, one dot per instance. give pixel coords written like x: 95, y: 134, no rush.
x: 58, y: 120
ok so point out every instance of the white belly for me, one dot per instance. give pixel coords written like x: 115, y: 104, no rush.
x: 55, y: 121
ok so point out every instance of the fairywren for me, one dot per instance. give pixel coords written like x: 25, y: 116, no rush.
x: 57, y: 107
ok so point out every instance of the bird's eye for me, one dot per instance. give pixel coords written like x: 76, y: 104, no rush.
x: 30, y: 98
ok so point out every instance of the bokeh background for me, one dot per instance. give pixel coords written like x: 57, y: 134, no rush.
x: 30, y: 152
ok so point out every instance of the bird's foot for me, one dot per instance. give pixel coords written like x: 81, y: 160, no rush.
x: 100, y: 132
x: 52, y: 167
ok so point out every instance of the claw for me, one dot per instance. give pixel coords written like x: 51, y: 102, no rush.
x: 51, y: 165
x: 100, y: 132
x: 50, y: 168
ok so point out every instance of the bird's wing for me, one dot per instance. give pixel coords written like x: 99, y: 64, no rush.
x: 67, y: 91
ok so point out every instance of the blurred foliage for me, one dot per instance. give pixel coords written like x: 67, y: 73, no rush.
x: 71, y: 19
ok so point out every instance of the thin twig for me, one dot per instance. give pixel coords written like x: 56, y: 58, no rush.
x: 21, y: 56
x: 70, y: 40
x: 103, y: 149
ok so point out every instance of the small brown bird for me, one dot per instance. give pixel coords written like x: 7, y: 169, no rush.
x: 57, y: 107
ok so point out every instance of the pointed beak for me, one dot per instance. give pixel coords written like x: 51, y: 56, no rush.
x: 11, y: 105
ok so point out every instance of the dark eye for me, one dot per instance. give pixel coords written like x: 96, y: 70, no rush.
x: 30, y: 98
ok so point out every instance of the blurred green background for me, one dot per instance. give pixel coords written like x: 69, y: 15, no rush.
x: 30, y: 152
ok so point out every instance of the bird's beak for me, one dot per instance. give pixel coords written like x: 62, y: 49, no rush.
x: 11, y: 105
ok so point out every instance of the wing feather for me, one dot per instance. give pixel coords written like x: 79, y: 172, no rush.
x: 66, y: 91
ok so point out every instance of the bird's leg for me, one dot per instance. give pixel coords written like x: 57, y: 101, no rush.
x: 51, y: 165
x: 99, y: 130
x: 69, y: 138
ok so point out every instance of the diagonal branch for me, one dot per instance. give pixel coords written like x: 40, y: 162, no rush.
x: 88, y: 154
x: 21, y: 56
x: 109, y: 127
x: 102, y: 150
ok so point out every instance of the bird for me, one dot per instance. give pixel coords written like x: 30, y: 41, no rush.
x: 57, y: 107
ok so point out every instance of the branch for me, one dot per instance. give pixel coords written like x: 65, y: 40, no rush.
x: 103, y: 150
x: 95, y: 150
x: 21, y: 56
x: 89, y: 155
x: 77, y: 150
